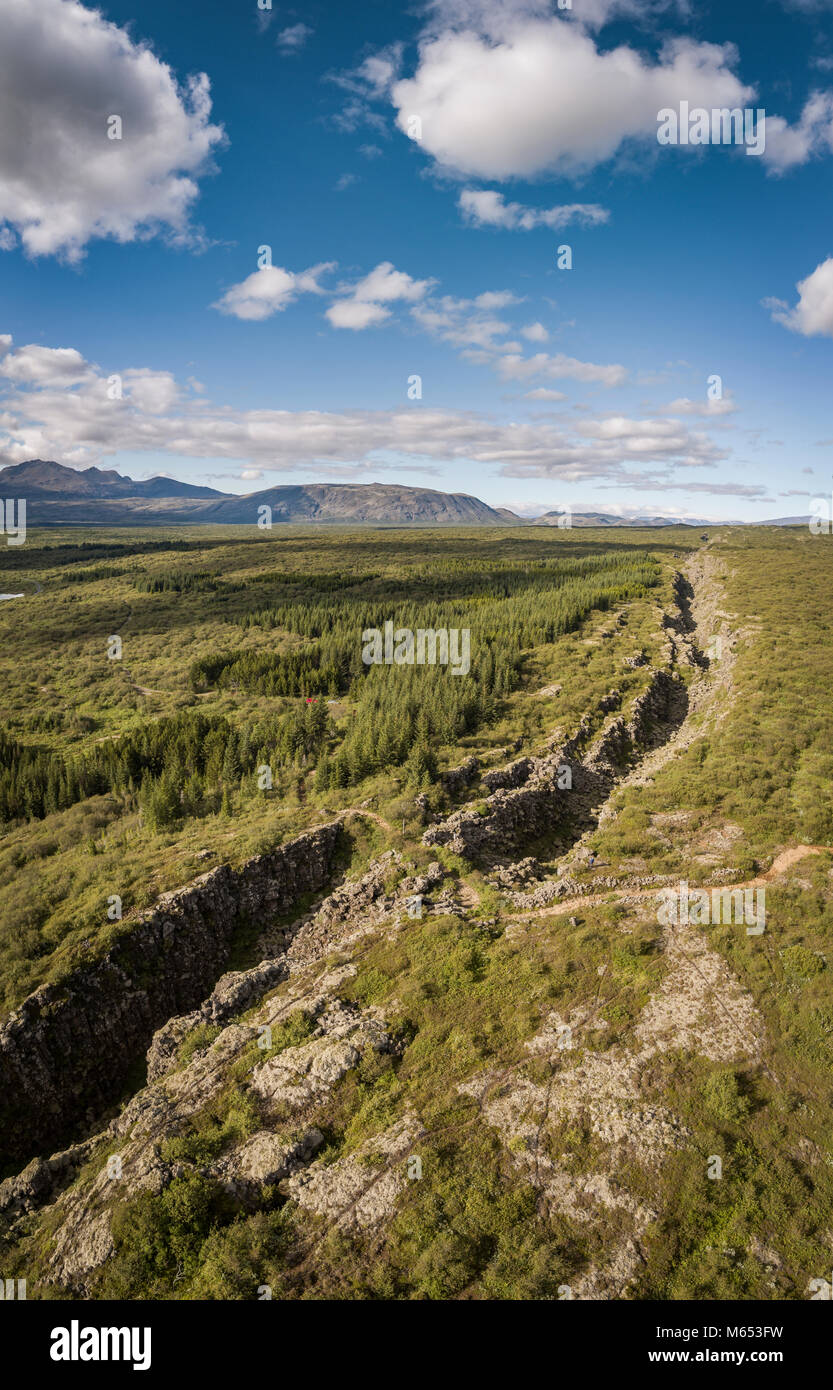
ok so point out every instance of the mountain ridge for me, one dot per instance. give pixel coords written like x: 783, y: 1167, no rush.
x: 59, y: 495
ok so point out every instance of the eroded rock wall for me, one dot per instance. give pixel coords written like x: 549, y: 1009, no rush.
x: 66, y: 1054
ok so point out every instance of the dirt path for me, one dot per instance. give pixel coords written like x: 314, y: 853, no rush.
x: 360, y: 811
x: 783, y: 861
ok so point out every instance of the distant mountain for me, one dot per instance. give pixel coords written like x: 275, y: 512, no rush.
x: 61, y: 496
x: 359, y: 504
x: 57, y: 495
x: 603, y: 519
x: 41, y: 478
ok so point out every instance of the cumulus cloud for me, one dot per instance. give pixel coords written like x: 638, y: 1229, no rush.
x: 64, y: 71
x: 364, y: 304
x: 515, y: 95
x: 812, y: 316
x: 76, y: 422
x: 483, y: 207
x: 788, y: 145
x: 467, y: 323
x: 43, y: 366
x: 267, y: 291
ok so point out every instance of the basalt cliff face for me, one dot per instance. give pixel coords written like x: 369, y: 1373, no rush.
x: 67, y: 1053
x: 533, y: 794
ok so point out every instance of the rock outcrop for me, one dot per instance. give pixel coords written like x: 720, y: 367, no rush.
x: 456, y: 779
x: 534, y: 795
x: 66, y: 1054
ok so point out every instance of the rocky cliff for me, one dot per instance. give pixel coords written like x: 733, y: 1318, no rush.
x: 534, y: 794
x: 66, y: 1054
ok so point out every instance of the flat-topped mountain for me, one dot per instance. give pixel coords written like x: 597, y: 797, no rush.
x: 363, y: 503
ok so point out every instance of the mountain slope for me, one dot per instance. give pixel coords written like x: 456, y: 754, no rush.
x: 42, y: 478
x: 358, y: 502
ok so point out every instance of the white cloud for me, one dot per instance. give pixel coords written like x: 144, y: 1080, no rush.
x: 515, y: 368
x: 498, y: 16
x: 470, y: 324
x: 544, y: 393
x: 78, y: 424
x: 484, y: 207
x: 639, y: 437
x: 355, y: 113
x: 293, y: 38
x: 813, y: 314
x: 64, y: 70
x: 268, y: 291
x: 788, y: 145
x: 461, y: 322
x: 376, y: 74
x: 494, y: 299
x: 370, y: 81
x: 150, y: 392
x: 356, y: 314
x: 363, y: 304
x: 43, y: 366
x: 707, y: 408
x: 385, y: 282
x: 524, y: 96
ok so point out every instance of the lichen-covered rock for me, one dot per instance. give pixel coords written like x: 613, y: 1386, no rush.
x: 298, y: 1076
x: 265, y: 1159
x: 361, y: 1189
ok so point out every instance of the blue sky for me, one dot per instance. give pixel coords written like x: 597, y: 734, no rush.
x: 434, y: 256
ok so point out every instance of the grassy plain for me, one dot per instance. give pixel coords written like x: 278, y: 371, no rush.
x: 464, y: 992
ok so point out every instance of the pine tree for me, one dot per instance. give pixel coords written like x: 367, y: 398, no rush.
x: 322, y: 773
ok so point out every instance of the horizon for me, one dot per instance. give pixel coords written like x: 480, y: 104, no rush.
x: 529, y: 512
